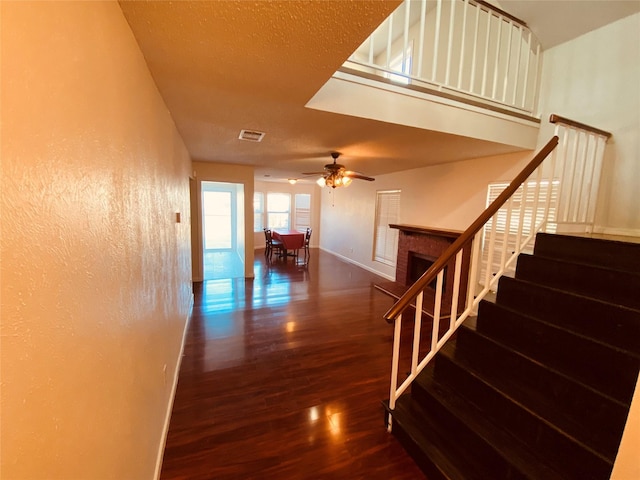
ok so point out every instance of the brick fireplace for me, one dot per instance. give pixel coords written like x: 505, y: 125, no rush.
x: 418, y: 248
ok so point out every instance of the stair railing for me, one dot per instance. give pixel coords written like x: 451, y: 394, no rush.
x: 582, y: 152
x: 468, y: 48
x: 532, y: 176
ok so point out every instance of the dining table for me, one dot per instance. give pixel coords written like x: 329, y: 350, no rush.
x: 292, y: 240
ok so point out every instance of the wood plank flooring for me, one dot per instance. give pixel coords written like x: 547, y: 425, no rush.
x: 282, y: 378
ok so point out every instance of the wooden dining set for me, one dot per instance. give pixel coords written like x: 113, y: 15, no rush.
x: 287, y: 243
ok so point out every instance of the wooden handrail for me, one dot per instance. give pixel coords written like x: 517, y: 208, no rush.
x: 572, y: 123
x: 495, y: 9
x: 431, y: 273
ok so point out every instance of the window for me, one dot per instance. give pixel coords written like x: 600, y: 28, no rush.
x: 302, y: 213
x: 386, y: 239
x: 522, y: 206
x: 258, y: 211
x: 278, y: 210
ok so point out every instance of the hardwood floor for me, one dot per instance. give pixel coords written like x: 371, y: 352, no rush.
x: 282, y: 378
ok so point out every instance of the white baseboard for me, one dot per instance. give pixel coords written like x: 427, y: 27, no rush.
x: 172, y: 396
x: 353, y: 262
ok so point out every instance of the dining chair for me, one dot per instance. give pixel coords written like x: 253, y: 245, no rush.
x: 270, y: 244
x: 307, y: 239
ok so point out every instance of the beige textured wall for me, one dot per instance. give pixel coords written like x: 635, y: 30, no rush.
x: 95, y: 272
x: 594, y: 79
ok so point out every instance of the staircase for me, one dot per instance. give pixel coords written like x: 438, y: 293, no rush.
x: 539, y: 384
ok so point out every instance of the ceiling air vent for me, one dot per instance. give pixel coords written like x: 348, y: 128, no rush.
x: 251, y: 135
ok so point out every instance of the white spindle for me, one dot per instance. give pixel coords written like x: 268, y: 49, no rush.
x: 581, y: 167
x: 452, y: 16
x: 524, y: 189
x: 572, y: 175
x: 389, y: 39
x: 456, y: 290
x: 595, y: 179
x: 463, y: 42
x: 536, y: 199
x: 486, y: 55
x: 563, y: 134
x: 476, y: 261
x: 517, y: 72
x: 535, y: 79
x: 423, y: 17
x: 525, y: 83
x: 436, y: 41
x: 587, y: 177
x: 405, y: 43
x: 416, y: 334
x: 490, y: 250
x: 496, y: 64
x: 505, y: 235
x: 395, y: 360
x: 472, y: 84
x: 436, y: 313
x: 552, y: 176
x: 506, y: 68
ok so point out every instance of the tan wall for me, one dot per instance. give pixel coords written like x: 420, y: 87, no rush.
x: 448, y: 196
x: 220, y: 172
x: 96, y: 280
x: 594, y: 79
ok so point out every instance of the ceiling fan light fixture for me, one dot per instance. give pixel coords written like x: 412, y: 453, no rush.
x: 292, y: 181
x: 336, y: 175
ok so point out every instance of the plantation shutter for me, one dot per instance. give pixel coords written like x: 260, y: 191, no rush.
x: 386, y: 239
x: 523, y: 205
x: 302, y: 212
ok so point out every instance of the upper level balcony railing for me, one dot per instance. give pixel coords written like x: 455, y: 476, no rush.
x: 467, y: 48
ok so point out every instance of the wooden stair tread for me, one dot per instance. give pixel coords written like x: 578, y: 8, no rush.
x: 547, y: 343
x: 476, y: 420
x: 449, y: 461
x: 526, y: 391
x: 530, y: 400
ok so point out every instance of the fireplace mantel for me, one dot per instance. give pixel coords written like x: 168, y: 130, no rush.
x: 439, y: 232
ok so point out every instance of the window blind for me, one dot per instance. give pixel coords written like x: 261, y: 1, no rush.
x: 385, y: 238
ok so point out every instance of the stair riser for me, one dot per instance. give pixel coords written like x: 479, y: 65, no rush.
x: 603, y: 368
x: 422, y: 435
x: 617, y: 326
x: 620, y: 288
x: 610, y: 254
x: 569, y: 396
x: 496, y: 464
x: 426, y: 464
x: 544, y: 440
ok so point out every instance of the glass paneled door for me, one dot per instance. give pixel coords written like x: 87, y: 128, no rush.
x: 222, y: 229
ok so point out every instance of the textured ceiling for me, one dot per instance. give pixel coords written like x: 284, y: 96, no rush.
x: 223, y: 66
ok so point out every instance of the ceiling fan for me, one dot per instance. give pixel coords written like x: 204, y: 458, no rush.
x: 336, y: 175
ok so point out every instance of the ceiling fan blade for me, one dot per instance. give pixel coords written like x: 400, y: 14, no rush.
x: 313, y: 173
x: 359, y: 176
